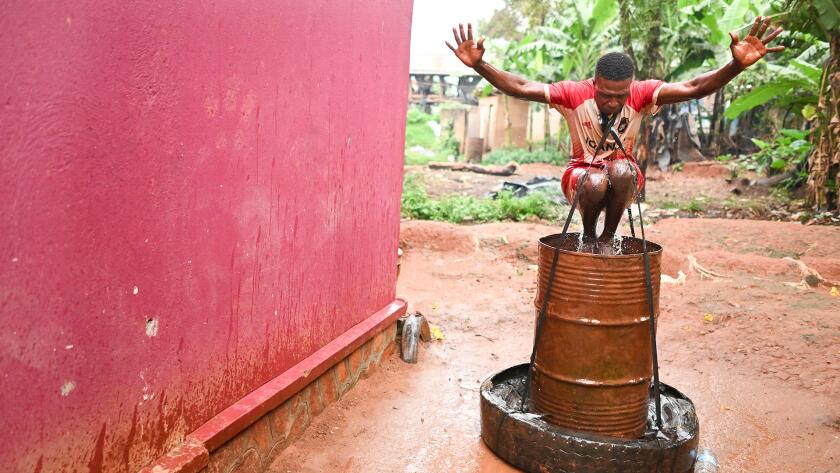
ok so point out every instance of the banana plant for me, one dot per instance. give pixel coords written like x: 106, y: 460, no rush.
x: 795, y: 85
x: 569, y: 44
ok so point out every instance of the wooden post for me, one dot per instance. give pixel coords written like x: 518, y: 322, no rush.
x: 508, y: 124
x: 547, y: 131
x: 487, y: 128
x: 466, y: 131
x: 530, y: 127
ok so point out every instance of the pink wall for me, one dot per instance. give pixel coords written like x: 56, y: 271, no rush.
x: 194, y: 197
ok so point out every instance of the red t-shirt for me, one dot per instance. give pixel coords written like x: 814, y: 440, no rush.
x: 576, y: 102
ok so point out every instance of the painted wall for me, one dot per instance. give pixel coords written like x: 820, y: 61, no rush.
x: 194, y: 196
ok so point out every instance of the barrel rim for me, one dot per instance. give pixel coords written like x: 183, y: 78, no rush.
x: 653, y: 248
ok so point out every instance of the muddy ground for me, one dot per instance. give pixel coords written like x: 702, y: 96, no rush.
x: 755, y: 347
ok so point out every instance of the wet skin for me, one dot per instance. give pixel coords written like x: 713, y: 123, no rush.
x: 612, y: 188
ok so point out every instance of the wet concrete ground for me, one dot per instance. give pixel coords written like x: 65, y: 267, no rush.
x: 757, y: 353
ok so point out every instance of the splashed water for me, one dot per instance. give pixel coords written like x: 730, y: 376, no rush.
x: 619, y: 246
x: 613, y: 248
x: 616, y: 243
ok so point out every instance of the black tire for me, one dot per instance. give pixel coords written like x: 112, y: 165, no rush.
x: 531, y: 444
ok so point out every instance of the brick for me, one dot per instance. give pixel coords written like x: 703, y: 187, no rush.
x: 316, y: 405
x: 365, y: 352
x: 279, y: 421
x: 249, y: 462
x: 223, y: 457
x: 289, y: 420
x: 369, y: 370
x: 375, y: 359
x: 254, y: 449
x: 343, y: 376
x: 299, y: 416
x: 297, y: 405
x: 376, y: 343
x: 355, y: 362
x: 387, y: 337
x: 328, y: 391
x: 298, y: 428
x: 261, y: 434
x: 389, y: 350
x: 385, y: 343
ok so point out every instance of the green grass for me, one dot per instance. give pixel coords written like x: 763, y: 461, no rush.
x: 419, y: 133
x: 417, y: 130
x: 694, y: 205
x: 417, y: 204
x: 751, y: 204
x: 523, y: 156
x: 416, y: 159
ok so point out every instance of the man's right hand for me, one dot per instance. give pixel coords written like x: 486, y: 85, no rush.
x: 469, y: 52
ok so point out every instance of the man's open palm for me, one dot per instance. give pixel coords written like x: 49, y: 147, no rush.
x: 749, y: 50
x: 469, y: 52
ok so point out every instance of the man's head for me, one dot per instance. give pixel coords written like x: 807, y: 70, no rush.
x: 613, y: 76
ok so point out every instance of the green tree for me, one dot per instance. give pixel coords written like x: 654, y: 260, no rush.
x: 509, y: 21
x: 821, y: 19
x: 505, y: 23
x: 566, y: 46
x: 535, y: 12
x: 807, y: 80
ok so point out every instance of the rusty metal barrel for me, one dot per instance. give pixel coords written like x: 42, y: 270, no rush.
x: 593, y: 365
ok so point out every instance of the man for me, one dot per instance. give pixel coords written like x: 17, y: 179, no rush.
x: 587, y: 106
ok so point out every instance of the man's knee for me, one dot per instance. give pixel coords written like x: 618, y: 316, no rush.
x: 622, y: 175
x: 596, y: 184
x: 592, y: 190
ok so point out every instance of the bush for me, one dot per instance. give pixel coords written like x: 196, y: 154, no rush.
x: 448, y: 144
x: 532, y: 205
x: 694, y: 205
x: 417, y: 130
x: 421, y: 144
x: 417, y: 204
x: 523, y: 156
x: 788, y: 152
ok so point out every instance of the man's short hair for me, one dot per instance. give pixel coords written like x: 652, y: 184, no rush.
x: 615, y: 66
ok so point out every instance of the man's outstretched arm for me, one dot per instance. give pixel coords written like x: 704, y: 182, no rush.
x: 471, y: 54
x: 745, y: 53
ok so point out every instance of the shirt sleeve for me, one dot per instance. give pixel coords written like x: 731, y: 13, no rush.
x: 644, y: 94
x: 560, y: 93
x: 568, y: 94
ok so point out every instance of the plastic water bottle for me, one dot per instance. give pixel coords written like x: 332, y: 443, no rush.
x: 410, y: 336
x: 706, y: 461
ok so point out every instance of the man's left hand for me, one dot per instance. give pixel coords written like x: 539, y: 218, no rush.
x: 749, y: 50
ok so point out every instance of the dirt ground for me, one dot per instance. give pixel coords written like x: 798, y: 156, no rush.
x: 754, y: 347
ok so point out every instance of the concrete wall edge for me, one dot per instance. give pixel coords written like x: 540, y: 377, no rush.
x: 193, y: 454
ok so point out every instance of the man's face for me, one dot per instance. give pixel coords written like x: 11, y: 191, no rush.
x: 610, y: 95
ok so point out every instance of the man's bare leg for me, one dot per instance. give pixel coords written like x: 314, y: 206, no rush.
x: 592, y: 201
x: 619, y: 195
